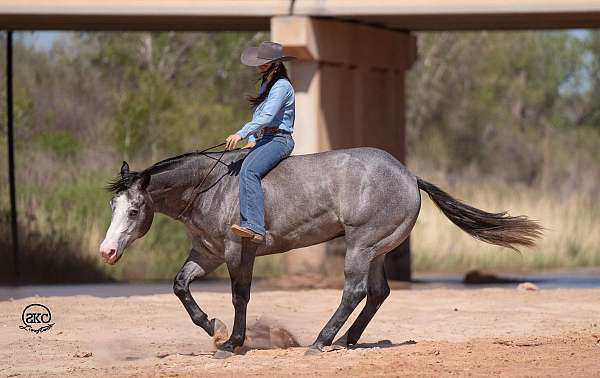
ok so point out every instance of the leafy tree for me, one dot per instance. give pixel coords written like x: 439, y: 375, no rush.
x: 169, y: 85
x: 484, y: 100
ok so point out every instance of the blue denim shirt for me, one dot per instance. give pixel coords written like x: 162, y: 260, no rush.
x: 277, y: 110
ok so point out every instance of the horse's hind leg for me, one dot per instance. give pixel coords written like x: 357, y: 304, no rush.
x: 366, y: 250
x: 356, y: 271
x: 377, y: 291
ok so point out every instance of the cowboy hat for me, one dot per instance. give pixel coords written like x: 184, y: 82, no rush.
x: 266, y: 52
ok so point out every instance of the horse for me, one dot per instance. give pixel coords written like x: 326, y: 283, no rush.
x: 362, y: 194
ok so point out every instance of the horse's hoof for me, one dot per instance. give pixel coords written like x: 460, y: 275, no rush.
x: 313, y: 351
x: 219, y: 332
x: 222, y: 354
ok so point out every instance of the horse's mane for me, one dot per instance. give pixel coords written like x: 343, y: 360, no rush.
x: 123, y: 182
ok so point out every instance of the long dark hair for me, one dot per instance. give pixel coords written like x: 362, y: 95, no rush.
x: 278, y: 71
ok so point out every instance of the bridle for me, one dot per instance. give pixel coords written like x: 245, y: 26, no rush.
x: 195, y: 191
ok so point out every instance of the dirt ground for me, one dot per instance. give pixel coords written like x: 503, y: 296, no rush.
x: 431, y: 332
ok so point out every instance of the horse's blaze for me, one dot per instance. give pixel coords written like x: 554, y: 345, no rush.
x: 109, y: 248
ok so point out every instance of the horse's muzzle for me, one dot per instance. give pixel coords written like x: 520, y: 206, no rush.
x: 109, y: 255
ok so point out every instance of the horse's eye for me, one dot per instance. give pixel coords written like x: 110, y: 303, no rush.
x: 133, y: 212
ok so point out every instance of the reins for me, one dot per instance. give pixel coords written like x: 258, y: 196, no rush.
x: 195, y: 191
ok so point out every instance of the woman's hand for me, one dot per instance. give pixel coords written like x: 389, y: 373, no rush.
x: 231, y: 141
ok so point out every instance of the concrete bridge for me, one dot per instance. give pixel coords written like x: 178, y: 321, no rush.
x: 353, y: 55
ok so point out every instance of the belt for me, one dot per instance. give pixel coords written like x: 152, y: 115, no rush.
x: 274, y: 131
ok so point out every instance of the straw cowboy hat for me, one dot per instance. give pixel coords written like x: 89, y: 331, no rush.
x: 267, y: 52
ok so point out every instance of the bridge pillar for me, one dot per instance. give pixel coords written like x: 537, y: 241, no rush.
x: 349, y: 82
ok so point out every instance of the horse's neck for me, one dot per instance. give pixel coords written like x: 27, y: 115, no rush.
x: 169, y: 188
x: 172, y: 189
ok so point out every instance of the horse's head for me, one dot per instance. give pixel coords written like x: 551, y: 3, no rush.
x: 132, y: 213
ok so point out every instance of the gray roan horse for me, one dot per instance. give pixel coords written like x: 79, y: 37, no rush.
x: 363, y: 194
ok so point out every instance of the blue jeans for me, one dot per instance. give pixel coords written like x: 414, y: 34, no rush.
x: 267, y: 152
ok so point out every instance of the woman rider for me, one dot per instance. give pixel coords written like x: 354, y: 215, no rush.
x: 274, y: 110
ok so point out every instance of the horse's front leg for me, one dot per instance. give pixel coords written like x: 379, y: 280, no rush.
x: 196, y: 266
x: 240, y: 261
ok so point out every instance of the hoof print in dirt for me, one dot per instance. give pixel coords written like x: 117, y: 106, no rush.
x: 83, y: 354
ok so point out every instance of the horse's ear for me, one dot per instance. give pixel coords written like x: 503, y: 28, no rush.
x: 124, y: 169
x: 144, y: 181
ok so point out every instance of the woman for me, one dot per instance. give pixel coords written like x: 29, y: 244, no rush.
x: 274, y: 110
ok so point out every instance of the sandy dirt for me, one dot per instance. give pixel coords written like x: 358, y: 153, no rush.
x: 432, y: 332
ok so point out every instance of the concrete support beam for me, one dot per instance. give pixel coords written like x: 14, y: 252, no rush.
x: 349, y: 83
x: 339, y: 42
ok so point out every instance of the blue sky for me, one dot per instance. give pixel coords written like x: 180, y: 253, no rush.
x: 40, y: 39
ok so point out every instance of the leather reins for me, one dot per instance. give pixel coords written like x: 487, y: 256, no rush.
x: 195, y: 191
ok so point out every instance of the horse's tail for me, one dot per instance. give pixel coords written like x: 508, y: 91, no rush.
x: 494, y: 228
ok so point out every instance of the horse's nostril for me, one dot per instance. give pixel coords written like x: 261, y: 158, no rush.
x: 109, y: 253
